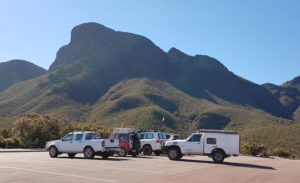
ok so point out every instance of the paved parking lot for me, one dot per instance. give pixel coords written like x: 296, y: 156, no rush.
x: 38, y: 167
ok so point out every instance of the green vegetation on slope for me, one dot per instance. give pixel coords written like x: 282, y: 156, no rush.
x: 36, y: 96
x: 143, y: 102
x: 275, y: 137
x: 15, y: 71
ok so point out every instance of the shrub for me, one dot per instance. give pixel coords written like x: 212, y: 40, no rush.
x: 2, y: 143
x: 9, y: 142
x: 281, y: 152
x: 6, y: 133
x: 36, y: 129
x: 254, y: 149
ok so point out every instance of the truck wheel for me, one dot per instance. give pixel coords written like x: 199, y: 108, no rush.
x: 105, y: 155
x: 88, y: 153
x: 157, y: 153
x: 147, y: 150
x: 71, y: 155
x: 218, y: 156
x: 174, y: 153
x: 122, y: 152
x: 53, y: 152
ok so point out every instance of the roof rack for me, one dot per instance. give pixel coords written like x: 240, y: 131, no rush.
x: 217, y: 131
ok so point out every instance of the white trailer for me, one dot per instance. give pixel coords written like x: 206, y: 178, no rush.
x: 217, y: 144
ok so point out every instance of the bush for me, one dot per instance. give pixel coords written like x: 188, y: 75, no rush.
x: 35, y: 129
x: 281, y: 152
x: 2, y: 143
x: 6, y: 133
x: 9, y: 142
x: 254, y: 149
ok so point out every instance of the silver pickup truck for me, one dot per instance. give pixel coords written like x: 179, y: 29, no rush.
x: 89, y: 143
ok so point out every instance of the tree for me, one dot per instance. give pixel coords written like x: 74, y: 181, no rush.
x: 37, y: 129
x: 6, y: 133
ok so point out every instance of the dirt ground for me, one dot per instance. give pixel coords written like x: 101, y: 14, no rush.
x: 39, y: 167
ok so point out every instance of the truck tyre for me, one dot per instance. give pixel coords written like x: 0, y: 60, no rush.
x: 88, y: 153
x: 71, y: 155
x: 174, y: 153
x: 157, y: 153
x: 53, y: 152
x: 147, y: 150
x: 218, y: 156
x: 122, y: 152
x: 105, y: 155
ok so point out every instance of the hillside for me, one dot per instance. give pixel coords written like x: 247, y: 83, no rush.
x: 287, y: 137
x: 15, y: 71
x: 82, y: 70
x: 143, y: 102
x: 114, y: 78
x: 288, y: 95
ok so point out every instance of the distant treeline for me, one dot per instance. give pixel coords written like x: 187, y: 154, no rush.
x: 34, y: 130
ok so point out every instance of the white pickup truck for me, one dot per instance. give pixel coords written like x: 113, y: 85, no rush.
x: 217, y: 144
x: 88, y: 143
x: 152, y: 142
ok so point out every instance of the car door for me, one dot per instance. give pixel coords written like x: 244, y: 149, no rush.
x: 124, y: 142
x: 194, y: 144
x: 66, y: 143
x: 77, y: 143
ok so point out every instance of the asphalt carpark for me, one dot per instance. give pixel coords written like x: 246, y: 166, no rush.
x: 39, y: 167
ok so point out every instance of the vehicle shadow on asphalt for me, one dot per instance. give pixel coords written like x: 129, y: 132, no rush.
x: 245, y: 165
x: 142, y: 157
x: 96, y: 158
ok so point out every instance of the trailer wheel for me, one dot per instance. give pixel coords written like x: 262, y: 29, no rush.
x: 122, y: 152
x: 88, y: 153
x: 147, y: 150
x: 218, y: 156
x: 174, y: 153
x: 53, y: 152
x: 71, y: 155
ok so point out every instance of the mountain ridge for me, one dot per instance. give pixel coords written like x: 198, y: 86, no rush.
x: 14, y: 71
x: 98, y: 59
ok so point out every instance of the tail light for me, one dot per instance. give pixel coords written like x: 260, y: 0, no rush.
x: 103, y: 143
x: 158, y: 141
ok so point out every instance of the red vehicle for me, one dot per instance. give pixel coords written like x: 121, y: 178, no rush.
x: 129, y: 142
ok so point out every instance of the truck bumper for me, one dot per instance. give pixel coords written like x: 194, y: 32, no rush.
x: 111, y: 149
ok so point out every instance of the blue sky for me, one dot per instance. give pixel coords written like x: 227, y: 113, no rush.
x: 258, y: 39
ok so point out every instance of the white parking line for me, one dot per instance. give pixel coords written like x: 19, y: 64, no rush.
x: 103, y: 167
x: 55, y: 173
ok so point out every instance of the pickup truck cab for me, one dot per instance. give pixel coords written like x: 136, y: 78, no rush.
x: 152, y: 142
x: 89, y: 143
x: 217, y: 144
